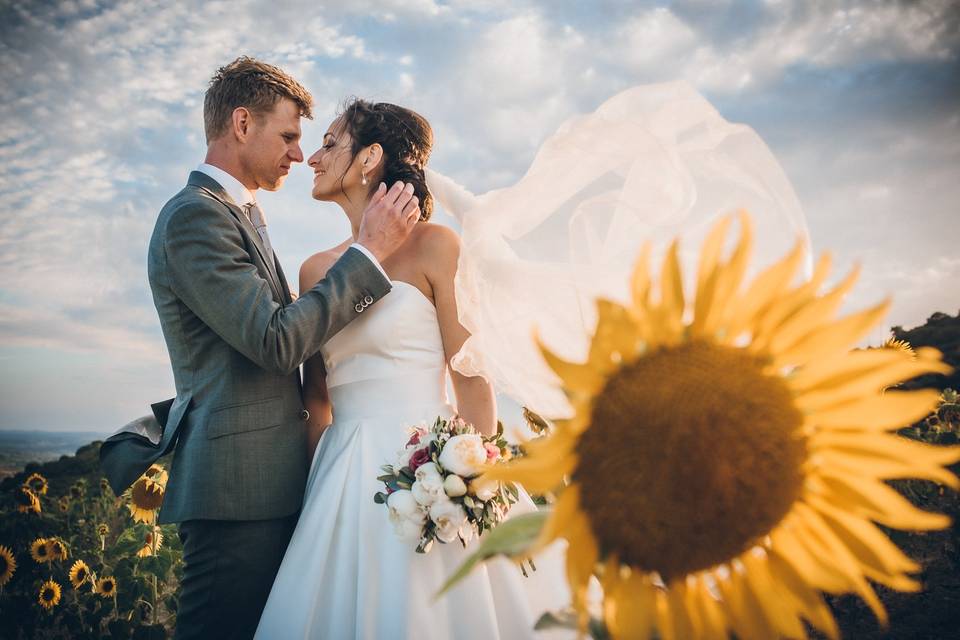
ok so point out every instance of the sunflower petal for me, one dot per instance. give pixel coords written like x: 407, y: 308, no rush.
x: 808, y: 601
x: 761, y: 292
x: 671, y: 295
x: 636, y: 607
x: 817, y: 312
x: 881, y: 413
x: 786, y: 304
x: 873, y: 375
x: 870, y: 546
x: 880, y: 503
x: 707, y: 273
x: 832, y: 338
x: 818, y: 533
x: 763, y: 593
x: 730, y: 276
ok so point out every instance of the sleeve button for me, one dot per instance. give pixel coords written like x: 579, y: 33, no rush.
x: 304, y: 415
x: 368, y: 300
x: 358, y: 307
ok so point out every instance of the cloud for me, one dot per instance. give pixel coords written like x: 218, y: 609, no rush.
x: 686, y: 41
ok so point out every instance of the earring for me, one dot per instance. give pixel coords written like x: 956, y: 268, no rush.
x: 363, y: 178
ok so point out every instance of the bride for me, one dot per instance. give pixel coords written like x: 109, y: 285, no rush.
x: 346, y: 574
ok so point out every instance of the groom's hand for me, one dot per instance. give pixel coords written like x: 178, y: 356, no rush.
x: 388, y: 219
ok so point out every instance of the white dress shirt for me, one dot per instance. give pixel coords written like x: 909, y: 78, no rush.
x: 242, y: 196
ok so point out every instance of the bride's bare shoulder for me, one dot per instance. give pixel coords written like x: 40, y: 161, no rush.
x: 437, y: 247
x: 316, y: 266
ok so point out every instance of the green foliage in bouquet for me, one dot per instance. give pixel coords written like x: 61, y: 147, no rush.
x: 75, y: 563
x: 450, y: 486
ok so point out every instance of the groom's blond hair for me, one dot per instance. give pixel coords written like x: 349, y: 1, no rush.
x: 247, y: 82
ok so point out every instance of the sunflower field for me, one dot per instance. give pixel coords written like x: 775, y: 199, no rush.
x: 78, y: 562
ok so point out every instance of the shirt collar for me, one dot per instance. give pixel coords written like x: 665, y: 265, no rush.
x: 237, y: 192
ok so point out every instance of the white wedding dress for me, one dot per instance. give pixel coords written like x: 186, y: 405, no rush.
x: 346, y: 574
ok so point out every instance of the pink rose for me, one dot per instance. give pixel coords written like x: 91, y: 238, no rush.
x: 419, y: 457
x: 493, y: 451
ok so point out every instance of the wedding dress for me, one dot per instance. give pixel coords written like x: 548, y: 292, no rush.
x: 346, y: 574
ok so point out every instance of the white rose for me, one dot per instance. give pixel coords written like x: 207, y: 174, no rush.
x: 403, y: 507
x: 449, y: 518
x: 427, y: 470
x: 464, y: 455
x: 454, y: 485
x: 428, y: 489
x: 483, y: 490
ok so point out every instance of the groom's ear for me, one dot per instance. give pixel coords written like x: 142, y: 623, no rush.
x: 240, y: 120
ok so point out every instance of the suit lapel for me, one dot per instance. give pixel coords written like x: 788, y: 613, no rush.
x: 203, y: 181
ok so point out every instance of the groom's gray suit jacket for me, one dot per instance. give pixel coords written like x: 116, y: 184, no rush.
x: 235, y: 341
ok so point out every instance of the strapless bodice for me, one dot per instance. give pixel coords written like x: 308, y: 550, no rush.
x: 396, y: 336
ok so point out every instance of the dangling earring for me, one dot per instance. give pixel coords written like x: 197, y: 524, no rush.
x: 363, y: 178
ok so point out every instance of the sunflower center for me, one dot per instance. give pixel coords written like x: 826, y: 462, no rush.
x: 693, y: 455
x: 48, y: 594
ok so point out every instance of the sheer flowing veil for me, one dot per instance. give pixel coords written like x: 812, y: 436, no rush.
x: 651, y: 163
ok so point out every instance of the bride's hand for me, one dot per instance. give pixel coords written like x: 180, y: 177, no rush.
x: 388, y: 219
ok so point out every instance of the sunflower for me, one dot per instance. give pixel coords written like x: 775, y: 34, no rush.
x: 726, y: 456
x: 900, y: 345
x: 58, y: 549
x: 151, y: 543
x: 106, y: 587
x: 79, y: 574
x: 49, y: 595
x: 102, y: 530
x: 38, y: 484
x: 78, y: 489
x: 41, y: 551
x: 8, y: 565
x: 64, y: 504
x: 146, y: 494
x: 157, y: 474
x: 26, y: 500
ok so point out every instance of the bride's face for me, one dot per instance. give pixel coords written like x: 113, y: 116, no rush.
x: 334, y: 171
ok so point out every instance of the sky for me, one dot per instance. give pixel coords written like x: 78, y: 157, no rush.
x: 101, y: 112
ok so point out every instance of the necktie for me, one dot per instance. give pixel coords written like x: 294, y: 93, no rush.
x: 256, y: 217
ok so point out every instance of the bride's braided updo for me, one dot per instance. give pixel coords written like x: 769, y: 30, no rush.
x: 406, y: 138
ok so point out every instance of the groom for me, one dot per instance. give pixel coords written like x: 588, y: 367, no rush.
x: 236, y: 339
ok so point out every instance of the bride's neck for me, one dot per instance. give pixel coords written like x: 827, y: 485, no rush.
x: 354, y: 210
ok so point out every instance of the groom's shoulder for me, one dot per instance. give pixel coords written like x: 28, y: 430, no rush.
x: 191, y: 202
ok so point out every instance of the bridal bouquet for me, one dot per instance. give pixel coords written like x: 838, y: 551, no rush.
x: 432, y: 489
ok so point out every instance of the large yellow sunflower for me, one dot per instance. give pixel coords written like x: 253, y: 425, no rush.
x: 726, y: 455
x: 106, y: 587
x: 49, y: 595
x: 38, y: 484
x: 151, y: 543
x: 8, y: 565
x: 27, y: 501
x: 79, y: 574
x: 42, y: 551
x: 146, y: 494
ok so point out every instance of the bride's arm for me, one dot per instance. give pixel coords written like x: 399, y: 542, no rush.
x: 316, y: 400
x: 476, y: 402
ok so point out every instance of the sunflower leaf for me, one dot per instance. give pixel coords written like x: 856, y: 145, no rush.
x: 512, y: 538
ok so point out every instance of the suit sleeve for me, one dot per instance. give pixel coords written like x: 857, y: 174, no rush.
x: 211, y: 272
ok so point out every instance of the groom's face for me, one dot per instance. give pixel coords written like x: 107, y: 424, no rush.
x: 274, y: 144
